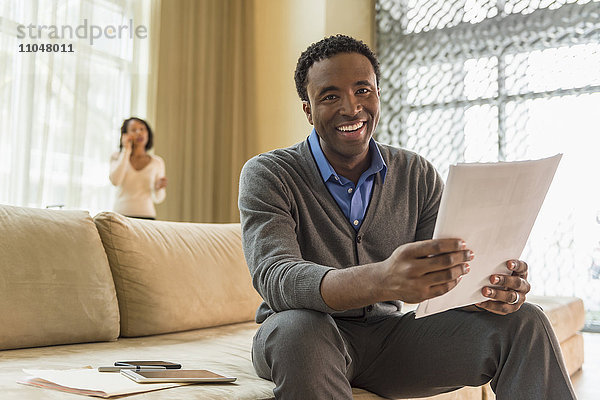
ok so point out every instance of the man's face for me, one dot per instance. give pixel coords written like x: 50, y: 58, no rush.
x: 343, y: 104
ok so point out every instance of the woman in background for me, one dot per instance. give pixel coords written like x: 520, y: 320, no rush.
x: 139, y: 176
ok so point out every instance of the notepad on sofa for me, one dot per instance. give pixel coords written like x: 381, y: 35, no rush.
x: 89, y: 382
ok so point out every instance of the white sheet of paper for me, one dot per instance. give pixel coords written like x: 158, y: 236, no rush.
x: 492, y: 207
x: 89, y: 382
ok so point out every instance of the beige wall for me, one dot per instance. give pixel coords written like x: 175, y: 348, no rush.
x: 283, y: 29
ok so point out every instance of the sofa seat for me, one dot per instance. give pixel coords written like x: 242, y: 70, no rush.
x: 227, y: 349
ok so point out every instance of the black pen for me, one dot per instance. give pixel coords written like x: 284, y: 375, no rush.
x: 132, y: 367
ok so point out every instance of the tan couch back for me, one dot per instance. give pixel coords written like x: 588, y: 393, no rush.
x: 175, y: 276
x: 55, y: 283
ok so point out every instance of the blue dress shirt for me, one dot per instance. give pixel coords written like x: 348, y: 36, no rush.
x: 352, y: 199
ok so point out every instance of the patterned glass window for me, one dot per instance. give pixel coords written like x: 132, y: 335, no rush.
x: 489, y: 80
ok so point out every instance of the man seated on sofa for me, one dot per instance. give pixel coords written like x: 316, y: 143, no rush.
x: 337, y: 231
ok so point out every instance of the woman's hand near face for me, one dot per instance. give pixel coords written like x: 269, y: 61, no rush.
x: 127, y: 141
x: 160, y: 183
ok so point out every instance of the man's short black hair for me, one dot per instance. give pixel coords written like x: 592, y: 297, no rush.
x: 327, y: 48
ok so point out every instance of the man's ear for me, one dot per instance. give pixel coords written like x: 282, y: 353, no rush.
x: 307, y: 111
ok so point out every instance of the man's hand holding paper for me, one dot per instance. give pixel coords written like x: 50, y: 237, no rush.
x: 508, y: 291
x: 422, y: 270
x: 492, y: 207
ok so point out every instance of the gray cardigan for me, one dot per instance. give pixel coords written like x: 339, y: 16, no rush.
x: 293, y: 231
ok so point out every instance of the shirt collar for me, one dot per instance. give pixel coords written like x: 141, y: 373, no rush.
x: 327, y: 171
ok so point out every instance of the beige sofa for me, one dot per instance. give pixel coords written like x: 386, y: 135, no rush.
x: 77, y: 291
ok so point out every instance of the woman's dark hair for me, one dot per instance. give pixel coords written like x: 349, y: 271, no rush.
x: 327, y: 48
x: 150, y: 142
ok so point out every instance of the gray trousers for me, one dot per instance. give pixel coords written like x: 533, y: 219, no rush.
x: 310, y: 355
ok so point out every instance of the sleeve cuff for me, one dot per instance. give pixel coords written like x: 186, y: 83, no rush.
x: 308, y: 288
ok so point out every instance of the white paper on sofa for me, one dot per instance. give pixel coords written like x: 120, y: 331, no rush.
x: 89, y: 382
x: 493, y: 207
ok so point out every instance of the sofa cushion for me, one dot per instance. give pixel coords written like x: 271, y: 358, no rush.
x: 55, y: 282
x: 572, y: 349
x: 175, y: 276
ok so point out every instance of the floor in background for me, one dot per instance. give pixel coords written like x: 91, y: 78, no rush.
x: 587, y: 381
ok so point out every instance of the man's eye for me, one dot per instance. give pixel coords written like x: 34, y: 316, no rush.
x: 329, y: 97
x: 362, y: 91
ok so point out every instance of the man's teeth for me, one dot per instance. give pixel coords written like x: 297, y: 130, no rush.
x: 349, y: 128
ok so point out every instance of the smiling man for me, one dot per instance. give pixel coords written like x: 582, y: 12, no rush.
x: 337, y: 233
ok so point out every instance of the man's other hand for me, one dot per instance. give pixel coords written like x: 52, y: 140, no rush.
x: 423, y: 270
x: 509, y: 291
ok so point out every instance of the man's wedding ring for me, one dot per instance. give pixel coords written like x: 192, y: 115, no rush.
x: 516, y: 300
